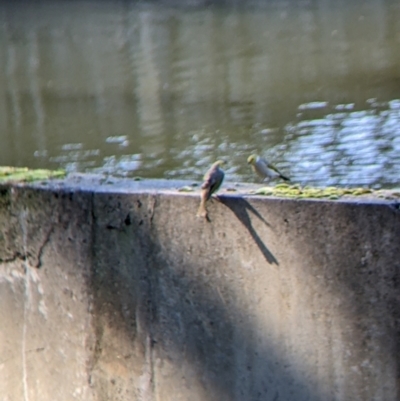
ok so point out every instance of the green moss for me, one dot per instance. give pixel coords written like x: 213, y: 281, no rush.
x: 307, y: 192
x: 23, y: 174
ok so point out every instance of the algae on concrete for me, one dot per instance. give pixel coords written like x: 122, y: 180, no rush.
x: 331, y: 193
x: 23, y: 174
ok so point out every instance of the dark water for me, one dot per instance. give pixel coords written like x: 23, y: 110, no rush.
x: 162, y: 90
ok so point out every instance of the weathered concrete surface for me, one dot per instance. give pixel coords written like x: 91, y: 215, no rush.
x: 116, y: 291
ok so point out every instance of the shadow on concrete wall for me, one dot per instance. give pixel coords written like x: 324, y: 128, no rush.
x: 185, y: 309
x: 182, y: 306
x: 241, y: 208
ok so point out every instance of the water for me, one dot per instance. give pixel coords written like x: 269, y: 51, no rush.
x: 158, y: 89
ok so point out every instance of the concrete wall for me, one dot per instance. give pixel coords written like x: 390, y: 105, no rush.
x: 118, y: 292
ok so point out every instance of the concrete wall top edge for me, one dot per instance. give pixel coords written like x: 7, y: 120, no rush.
x: 97, y: 183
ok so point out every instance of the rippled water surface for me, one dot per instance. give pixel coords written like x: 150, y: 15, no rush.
x: 157, y: 89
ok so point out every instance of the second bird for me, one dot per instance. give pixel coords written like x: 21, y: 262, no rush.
x: 212, y: 181
x: 265, y: 169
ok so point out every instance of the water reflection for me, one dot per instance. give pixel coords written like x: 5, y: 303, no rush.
x: 356, y: 146
x: 152, y: 90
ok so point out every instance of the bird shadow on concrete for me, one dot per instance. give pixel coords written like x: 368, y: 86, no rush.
x: 242, y: 209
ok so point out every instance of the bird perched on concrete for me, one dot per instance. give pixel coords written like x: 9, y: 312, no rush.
x: 212, y: 181
x: 265, y: 169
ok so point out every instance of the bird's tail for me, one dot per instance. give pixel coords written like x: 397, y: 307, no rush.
x: 284, y: 177
x: 202, y: 212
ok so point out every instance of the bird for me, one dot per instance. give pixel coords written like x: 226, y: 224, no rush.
x: 265, y: 169
x: 212, y: 181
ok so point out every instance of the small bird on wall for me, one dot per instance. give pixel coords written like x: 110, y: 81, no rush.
x: 212, y: 181
x: 264, y: 169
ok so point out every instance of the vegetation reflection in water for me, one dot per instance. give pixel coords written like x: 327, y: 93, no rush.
x: 151, y: 90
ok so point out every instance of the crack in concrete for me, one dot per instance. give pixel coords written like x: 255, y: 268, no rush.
x: 16, y: 256
x: 41, y: 248
x: 24, y: 257
x: 29, y: 351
